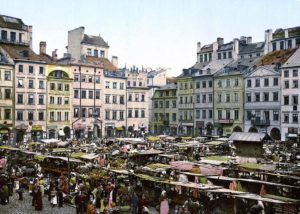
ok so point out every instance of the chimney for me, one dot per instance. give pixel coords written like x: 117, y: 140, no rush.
x: 198, y: 47
x: 30, y: 36
x: 54, y: 55
x: 268, y: 39
x: 220, y: 41
x: 235, y: 47
x: 43, y: 47
x: 286, y: 33
x: 249, y: 40
x: 114, y: 61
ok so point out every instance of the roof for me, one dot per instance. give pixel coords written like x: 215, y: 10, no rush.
x: 168, y: 86
x: 227, y: 46
x: 251, y: 48
x: 247, y: 137
x: 47, y: 58
x: 12, y: 23
x: 199, y: 65
x: 171, y: 80
x: 294, y: 60
x: 115, y: 74
x: 206, y: 48
x: 21, y: 52
x: 107, y: 65
x: 94, y: 40
x: 263, y: 71
x: 292, y: 32
x: 217, y: 65
x: 275, y: 57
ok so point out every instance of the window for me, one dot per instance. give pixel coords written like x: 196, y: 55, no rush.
x: 91, y: 94
x: 128, y: 83
x: 205, y: 57
x: 107, y: 84
x: 236, y: 114
x: 102, y: 54
x: 83, y: 78
x: 197, y: 114
x: 227, y: 98
x: 161, y: 104
x: 90, y: 79
x: 295, y: 83
x: 51, y: 100
x: 130, y: 97
x: 114, y: 115
x: 30, y: 99
x: 275, y: 81
x: 203, y: 84
x: 97, y: 94
x: 121, y: 85
x: 228, y: 83
x: 219, y: 55
x: 41, y: 115
x: 67, y: 87
x: 295, y: 118
x: 275, y: 96
x: 204, y: 114
x: 224, y: 55
x: 83, y: 112
x: 76, y: 94
x: 266, y: 97
x: 143, y: 98
x: 197, y: 84
x: 41, y: 84
x: 210, y: 114
x: 210, y: 56
x: 20, y: 99
x: 7, y: 93
x: 295, y: 99
x: 286, y: 73
x: 236, y: 97
x: 229, y: 54
x: 134, y: 83
x: 198, y: 98
x: 4, y: 35
x: 96, y: 53
x: 286, y: 118
x: 7, y: 76
x: 76, y: 78
x: 30, y: 115
x: 59, y: 87
x: 83, y: 94
x: 257, y: 54
x: 173, y: 116
x: 210, y: 99
x: 66, y: 116
x: 52, y: 86
x: 143, y: 113
x: 114, y: 85
x: 30, y: 69
x: 236, y: 82
x: 257, y: 97
x: 191, y: 99
x: 90, y: 112
x: 257, y: 83
x: 21, y: 68
x: 248, y: 115
x: 210, y: 84
x: 219, y: 83
x: 167, y: 104
x: 97, y: 79
x: 295, y: 73
x: 114, y: 99
x: 41, y: 99
x: 266, y: 82
x: 289, y: 45
x: 174, y: 103
x: 137, y: 96
x: 19, y: 115
x: 286, y: 100
x: 52, y: 115
x: 66, y: 100
x: 130, y: 113
x: 219, y: 98
x: 59, y: 116
x: 220, y: 114
x: 20, y: 83
x: 248, y: 97
x: 274, y: 46
x: 89, y: 51
x: 121, y: 115
x: 30, y: 83
x: 140, y: 83
x: 59, y: 100
x: 201, y: 58
x: 122, y: 99
x: 191, y: 85
x: 286, y: 84
x: 275, y: 115
x: 203, y: 98
x: 249, y: 83
x: 107, y: 98
x: 281, y: 45
x: 41, y: 70
x: 76, y: 112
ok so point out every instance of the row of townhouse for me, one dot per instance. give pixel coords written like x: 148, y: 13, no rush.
x: 236, y: 86
x: 82, y: 94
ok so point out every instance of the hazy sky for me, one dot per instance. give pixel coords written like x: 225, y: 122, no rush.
x: 152, y: 33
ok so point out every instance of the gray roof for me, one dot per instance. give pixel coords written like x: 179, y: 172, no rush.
x: 294, y: 60
x: 94, y: 40
x: 217, y: 65
x: 247, y: 136
x: 199, y: 65
x: 227, y: 46
x: 115, y: 74
x: 251, y: 48
x: 168, y: 86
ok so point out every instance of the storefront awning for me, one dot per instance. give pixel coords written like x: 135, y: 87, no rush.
x: 61, y: 133
x: 119, y: 128
x: 292, y: 135
x: 22, y: 126
x: 79, y: 126
x: 36, y: 128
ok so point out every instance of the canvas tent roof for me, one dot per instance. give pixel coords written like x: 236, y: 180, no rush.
x: 247, y: 137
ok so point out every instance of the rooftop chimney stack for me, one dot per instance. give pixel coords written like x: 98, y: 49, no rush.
x: 249, y: 40
x: 43, y: 47
x: 114, y: 61
x: 198, y: 47
x: 220, y: 41
x: 54, y: 55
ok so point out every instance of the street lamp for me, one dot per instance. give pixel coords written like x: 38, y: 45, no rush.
x: 95, y: 115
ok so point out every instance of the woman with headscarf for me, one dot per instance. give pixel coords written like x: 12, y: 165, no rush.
x: 164, y: 203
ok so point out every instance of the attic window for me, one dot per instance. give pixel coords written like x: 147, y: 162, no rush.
x: 24, y: 53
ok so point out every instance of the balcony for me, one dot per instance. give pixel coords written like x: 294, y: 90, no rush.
x: 226, y: 121
x: 259, y: 122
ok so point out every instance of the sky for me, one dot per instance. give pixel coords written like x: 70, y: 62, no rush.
x: 152, y: 33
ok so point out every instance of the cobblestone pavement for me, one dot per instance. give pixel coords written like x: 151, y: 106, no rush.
x: 17, y: 207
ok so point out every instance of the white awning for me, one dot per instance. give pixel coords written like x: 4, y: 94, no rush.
x: 61, y: 133
x: 292, y: 135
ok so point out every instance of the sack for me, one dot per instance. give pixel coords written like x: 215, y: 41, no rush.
x: 54, y: 200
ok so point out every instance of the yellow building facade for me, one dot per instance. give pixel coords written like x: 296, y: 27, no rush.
x: 59, y: 104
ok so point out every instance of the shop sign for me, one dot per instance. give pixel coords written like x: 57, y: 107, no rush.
x: 36, y: 128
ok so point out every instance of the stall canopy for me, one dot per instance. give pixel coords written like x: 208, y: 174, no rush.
x: 249, y: 137
x: 61, y: 133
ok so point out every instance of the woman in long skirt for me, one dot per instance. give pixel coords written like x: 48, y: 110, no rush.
x: 38, y: 200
